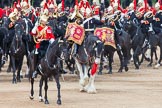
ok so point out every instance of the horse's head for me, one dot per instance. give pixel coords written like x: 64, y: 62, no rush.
x: 94, y: 47
x: 4, y: 22
x: 52, y: 23
x: 19, y: 31
x: 61, y: 46
x: 62, y: 25
x: 127, y: 24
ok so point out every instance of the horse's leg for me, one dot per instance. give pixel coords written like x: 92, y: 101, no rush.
x: 58, y: 89
x: 135, y: 57
x: 19, y: 69
x: 32, y: 88
x: 91, y: 88
x: 111, y: 54
x: 126, y: 57
x: 40, y: 89
x: 9, y: 66
x: 79, y: 66
x: 85, y: 72
x: 151, y: 60
x: 27, y: 67
x: 121, y: 61
x: 14, y: 69
x: 101, y: 64
x: 159, y: 62
x: 156, y: 58
x: 1, y: 61
x: 46, y: 88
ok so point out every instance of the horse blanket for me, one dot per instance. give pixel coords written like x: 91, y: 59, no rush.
x: 106, y: 35
x: 75, y: 33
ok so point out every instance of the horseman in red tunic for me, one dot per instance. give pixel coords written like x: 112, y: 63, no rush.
x: 42, y: 35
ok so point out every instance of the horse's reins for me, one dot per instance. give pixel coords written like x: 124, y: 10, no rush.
x: 46, y: 59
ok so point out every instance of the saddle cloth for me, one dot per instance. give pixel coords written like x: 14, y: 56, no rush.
x: 106, y: 35
x: 75, y: 33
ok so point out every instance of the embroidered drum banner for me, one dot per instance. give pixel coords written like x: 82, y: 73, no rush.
x: 75, y: 32
x: 106, y: 35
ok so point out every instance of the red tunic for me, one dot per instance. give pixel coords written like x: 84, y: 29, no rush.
x: 44, y: 33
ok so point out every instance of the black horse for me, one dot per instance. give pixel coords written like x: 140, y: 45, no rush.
x: 137, y: 39
x: 49, y: 66
x: 155, y: 40
x: 17, y: 51
x: 3, y: 35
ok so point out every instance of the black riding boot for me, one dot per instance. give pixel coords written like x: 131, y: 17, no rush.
x: 35, y: 66
x: 75, y: 50
x: 117, y: 43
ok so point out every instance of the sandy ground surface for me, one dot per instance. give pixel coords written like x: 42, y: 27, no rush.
x: 134, y: 89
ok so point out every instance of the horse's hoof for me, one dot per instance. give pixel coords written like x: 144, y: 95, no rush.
x: 59, y: 102
x: 50, y: 78
x: 137, y: 68
x: 63, y: 72
x: 18, y: 80
x: 26, y: 76
x: 46, y: 102
x: 126, y: 69
x: 110, y: 72
x: 8, y: 70
x: 14, y: 82
x: 149, y: 65
x: 157, y: 66
x: 40, y: 99
x: 119, y: 71
x: 100, y: 73
x: 82, y: 90
x: 31, y: 97
x: 91, y: 91
x: 148, y: 59
x: 21, y: 76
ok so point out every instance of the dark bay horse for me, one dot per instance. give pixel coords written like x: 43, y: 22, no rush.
x: 49, y: 66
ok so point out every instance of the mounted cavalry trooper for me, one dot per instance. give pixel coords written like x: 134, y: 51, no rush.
x: 84, y: 6
x: 13, y: 17
x: 77, y: 18
x: 28, y: 11
x: 52, y: 11
x: 158, y: 15
x: 90, y: 23
x: 42, y: 36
